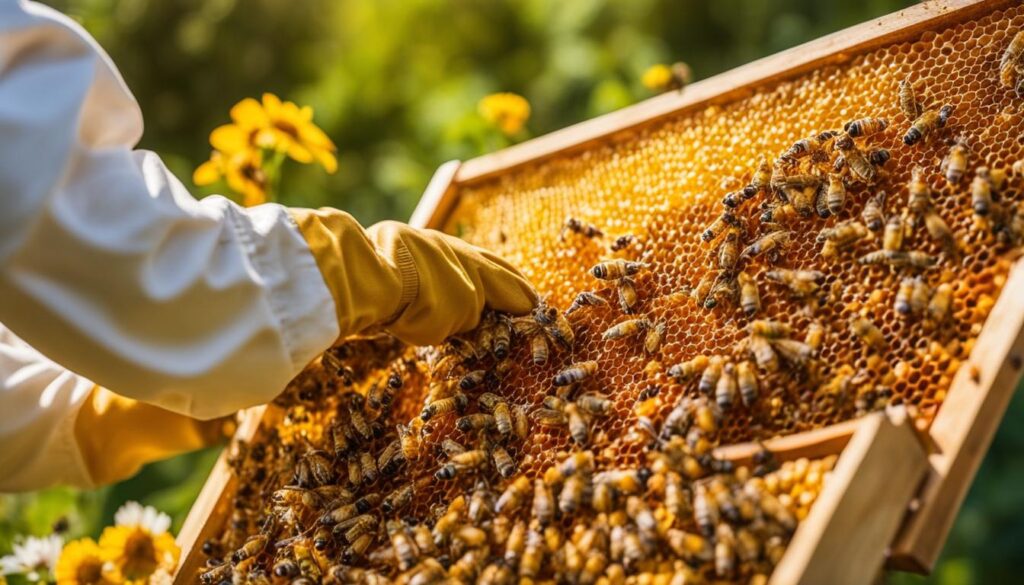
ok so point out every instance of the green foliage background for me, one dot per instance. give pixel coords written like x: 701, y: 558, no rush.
x: 395, y: 84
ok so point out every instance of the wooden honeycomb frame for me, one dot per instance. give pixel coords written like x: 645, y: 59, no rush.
x: 862, y: 509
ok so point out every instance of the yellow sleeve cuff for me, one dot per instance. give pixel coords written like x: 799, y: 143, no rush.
x: 116, y: 436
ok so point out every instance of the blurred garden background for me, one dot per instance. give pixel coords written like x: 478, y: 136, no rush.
x: 395, y: 84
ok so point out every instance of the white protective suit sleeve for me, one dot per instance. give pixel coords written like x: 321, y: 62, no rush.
x: 111, y: 268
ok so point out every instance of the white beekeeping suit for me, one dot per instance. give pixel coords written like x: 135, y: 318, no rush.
x: 110, y: 268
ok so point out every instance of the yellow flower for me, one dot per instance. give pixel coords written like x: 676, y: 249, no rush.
x: 275, y: 125
x: 508, y: 111
x: 657, y: 77
x: 136, y: 553
x: 81, y: 563
x: 243, y: 171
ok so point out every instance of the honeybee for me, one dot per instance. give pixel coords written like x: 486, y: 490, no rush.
x: 868, y: 332
x: 927, y: 122
x: 892, y: 238
x: 579, y: 430
x: 501, y: 411
x: 367, y: 468
x: 815, y: 336
x: 218, y: 574
x: 725, y: 551
x: 767, y: 243
x: 626, y: 328
x: 452, y: 404
x: 514, y: 495
x: 865, y: 127
x: 836, y: 194
x: 1010, y: 63
x: 920, y: 193
x: 955, y: 164
x: 712, y: 373
x: 801, y: 283
x: 252, y: 547
x: 689, y: 369
x: 560, y: 330
x: 732, y: 199
x: 909, y: 105
x: 854, y: 160
x: 502, y: 338
x: 576, y: 372
x: 399, y: 498
x: 585, y: 299
x: 654, y: 337
x: 779, y: 213
x: 873, y: 213
x: 626, y: 289
x: 461, y: 462
x: 539, y: 349
x: 520, y: 423
x: 896, y: 259
x: 705, y: 511
x: 769, y: 329
x: 502, y: 461
x: 939, y: 230
x: 472, y: 379
x: 763, y: 353
x: 576, y: 226
x: 571, y: 496
x: 409, y: 439
x: 549, y: 417
x: 725, y: 287
x: 533, y: 556
x: 728, y: 250
x: 802, y: 200
x: 405, y: 548
x: 879, y: 156
x: 720, y: 223
x: 543, y: 503
x: 339, y: 439
x: 616, y: 269
x: 981, y: 192
x: 941, y: 302
x: 746, y: 377
x: 476, y: 422
x: 762, y: 177
x: 622, y: 242
x: 795, y: 352
x: 842, y: 237
x: 726, y: 388
x: 390, y: 458
x: 821, y: 202
x: 811, y: 147
x: 750, y: 298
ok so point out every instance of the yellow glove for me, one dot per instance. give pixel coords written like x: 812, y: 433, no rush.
x: 421, y: 285
x: 117, y: 435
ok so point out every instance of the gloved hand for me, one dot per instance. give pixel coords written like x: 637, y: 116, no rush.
x: 421, y: 285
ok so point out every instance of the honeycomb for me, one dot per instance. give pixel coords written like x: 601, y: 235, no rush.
x: 663, y: 185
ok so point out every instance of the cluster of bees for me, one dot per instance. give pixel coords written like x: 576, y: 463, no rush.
x: 431, y: 465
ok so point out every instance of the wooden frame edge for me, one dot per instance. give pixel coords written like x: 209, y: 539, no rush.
x: 845, y: 536
x: 204, y: 517
x: 812, y: 444
x: 438, y: 199
x: 964, y: 427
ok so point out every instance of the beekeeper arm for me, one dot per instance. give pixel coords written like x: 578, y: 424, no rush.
x: 60, y: 428
x: 109, y: 267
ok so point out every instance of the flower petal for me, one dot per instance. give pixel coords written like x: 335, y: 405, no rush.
x: 299, y: 153
x: 272, y: 105
x: 249, y: 114
x: 229, y: 138
x: 327, y: 159
x: 206, y: 173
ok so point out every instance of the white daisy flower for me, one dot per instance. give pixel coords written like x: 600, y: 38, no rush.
x: 148, y: 517
x: 32, y: 556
